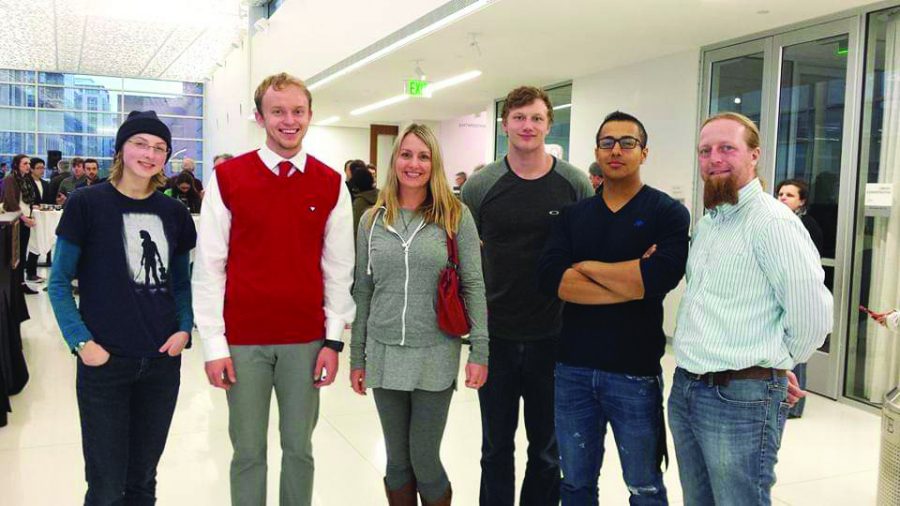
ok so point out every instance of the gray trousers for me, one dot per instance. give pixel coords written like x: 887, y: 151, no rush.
x: 413, y: 425
x: 289, y: 370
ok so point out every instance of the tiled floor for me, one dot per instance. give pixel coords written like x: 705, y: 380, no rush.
x: 830, y: 457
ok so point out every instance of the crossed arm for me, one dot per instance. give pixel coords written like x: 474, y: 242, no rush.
x: 597, y: 283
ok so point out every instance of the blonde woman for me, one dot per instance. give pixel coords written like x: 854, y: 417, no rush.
x: 397, y: 349
x: 128, y: 245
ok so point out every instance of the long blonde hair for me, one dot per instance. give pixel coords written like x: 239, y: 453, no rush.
x: 440, y: 205
x: 118, y: 167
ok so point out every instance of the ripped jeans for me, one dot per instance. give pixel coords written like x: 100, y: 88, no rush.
x: 588, y: 399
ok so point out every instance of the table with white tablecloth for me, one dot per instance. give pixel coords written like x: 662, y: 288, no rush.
x: 43, y: 234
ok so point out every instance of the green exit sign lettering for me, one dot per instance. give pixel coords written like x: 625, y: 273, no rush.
x: 416, y: 87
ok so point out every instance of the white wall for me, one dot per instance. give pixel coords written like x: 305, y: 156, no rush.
x: 336, y: 145
x: 463, y: 143
x: 663, y: 94
x: 303, y: 38
x: 229, y: 104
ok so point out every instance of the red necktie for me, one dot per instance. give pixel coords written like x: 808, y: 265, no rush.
x: 284, y: 168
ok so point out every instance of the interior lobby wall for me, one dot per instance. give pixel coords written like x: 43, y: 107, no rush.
x: 663, y: 94
x: 336, y: 145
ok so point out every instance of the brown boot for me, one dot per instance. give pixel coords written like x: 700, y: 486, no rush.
x: 443, y: 501
x: 403, y: 496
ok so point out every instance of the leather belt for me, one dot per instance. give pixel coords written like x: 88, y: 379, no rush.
x: 722, y: 378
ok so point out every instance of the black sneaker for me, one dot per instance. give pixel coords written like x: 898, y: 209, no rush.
x: 27, y: 289
x: 34, y: 278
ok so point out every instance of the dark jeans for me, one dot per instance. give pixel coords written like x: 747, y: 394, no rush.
x: 727, y: 438
x: 126, y: 406
x: 519, y: 370
x: 588, y: 399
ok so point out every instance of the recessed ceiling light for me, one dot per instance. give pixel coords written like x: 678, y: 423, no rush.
x: 429, y: 90
x: 737, y: 100
x: 437, y: 25
x: 378, y: 105
x: 328, y: 121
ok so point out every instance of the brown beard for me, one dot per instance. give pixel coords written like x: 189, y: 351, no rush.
x: 720, y: 191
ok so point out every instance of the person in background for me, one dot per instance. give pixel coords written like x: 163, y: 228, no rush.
x: 596, y: 176
x: 91, y: 173
x: 374, y: 171
x: 408, y: 362
x: 62, y: 172
x: 184, y: 191
x: 19, y: 195
x: 189, y: 166
x: 349, y: 168
x: 366, y: 194
x: 69, y: 184
x: 794, y: 193
x: 459, y: 181
x: 889, y: 319
x: 41, y: 193
x: 220, y: 158
x: 129, y: 330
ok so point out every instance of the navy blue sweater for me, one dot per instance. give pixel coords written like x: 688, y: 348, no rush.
x: 623, y: 338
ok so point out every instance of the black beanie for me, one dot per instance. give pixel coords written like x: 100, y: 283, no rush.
x: 143, y: 122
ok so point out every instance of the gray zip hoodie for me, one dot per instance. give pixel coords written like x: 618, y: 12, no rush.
x: 396, y: 284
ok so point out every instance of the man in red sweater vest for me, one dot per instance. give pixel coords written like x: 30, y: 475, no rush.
x: 271, y: 287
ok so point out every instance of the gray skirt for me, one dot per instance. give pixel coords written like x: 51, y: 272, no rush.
x: 395, y: 367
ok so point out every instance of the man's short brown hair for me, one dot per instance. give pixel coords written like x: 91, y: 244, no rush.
x: 77, y: 161
x: 92, y: 160
x: 278, y: 82
x: 525, y: 95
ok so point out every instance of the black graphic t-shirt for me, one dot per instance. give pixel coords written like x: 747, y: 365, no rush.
x: 127, y: 246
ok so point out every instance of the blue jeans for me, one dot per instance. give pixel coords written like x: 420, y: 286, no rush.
x: 727, y: 438
x: 588, y: 399
x: 519, y: 370
x: 126, y: 407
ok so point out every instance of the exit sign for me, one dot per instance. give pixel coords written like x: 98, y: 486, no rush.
x: 416, y: 88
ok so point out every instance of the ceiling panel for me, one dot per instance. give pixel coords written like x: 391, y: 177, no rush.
x: 171, y: 39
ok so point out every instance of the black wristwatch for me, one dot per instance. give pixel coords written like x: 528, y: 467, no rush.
x: 337, y: 346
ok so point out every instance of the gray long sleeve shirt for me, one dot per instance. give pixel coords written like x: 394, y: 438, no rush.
x: 396, y: 287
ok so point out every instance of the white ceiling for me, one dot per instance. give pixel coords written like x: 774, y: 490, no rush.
x: 160, y: 39
x: 541, y: 43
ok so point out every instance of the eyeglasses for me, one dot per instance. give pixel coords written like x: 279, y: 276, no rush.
x: 144, y: 146
x: 626, y: 142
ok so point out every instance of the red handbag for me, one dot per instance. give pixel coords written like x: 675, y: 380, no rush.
x: 451, y: 309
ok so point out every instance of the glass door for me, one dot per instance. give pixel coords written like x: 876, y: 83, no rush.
x: 873, y: 352
x: 738, y: 79
x: 813, y: 143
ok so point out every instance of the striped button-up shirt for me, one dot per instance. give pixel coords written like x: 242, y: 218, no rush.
x: 755, y: 289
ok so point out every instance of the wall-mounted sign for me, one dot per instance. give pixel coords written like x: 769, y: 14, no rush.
x: 879, y: 195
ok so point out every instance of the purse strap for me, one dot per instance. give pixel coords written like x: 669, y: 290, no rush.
x: 452, y: 251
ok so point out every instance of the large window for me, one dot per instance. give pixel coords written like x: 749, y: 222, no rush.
x: 561, y: 98
x: 79, y: 114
